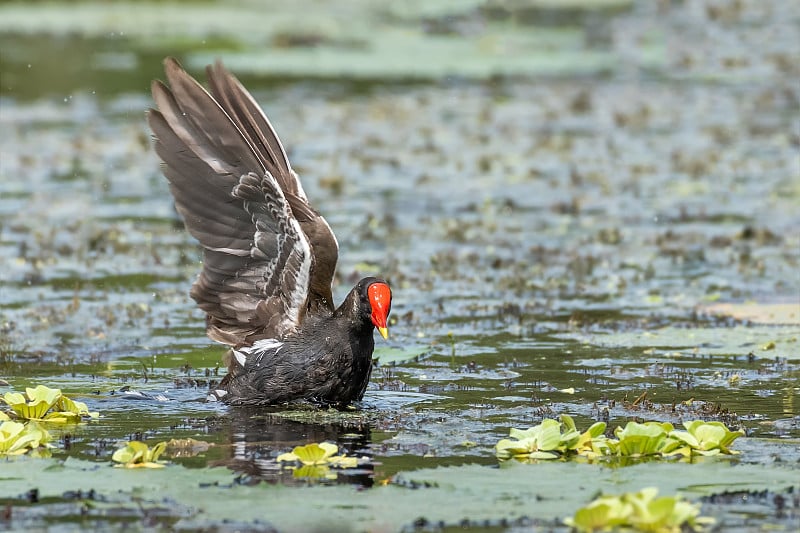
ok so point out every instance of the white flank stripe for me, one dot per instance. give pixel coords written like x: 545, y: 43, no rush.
x: 261, y: 347
x: 300, y: 292
x: 229, y: 251
x: 216, y: 396
x: 265, y: 344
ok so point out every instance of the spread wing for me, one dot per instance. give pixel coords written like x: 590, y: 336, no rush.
x: 268, y: 257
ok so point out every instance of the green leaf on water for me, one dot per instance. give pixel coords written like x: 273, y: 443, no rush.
x: 67, y: 405
x: 137, y: 454
x: 34, y: 404
x: 640, y: 511
x: 554, y: 439
x: 18, y: 438
x: 44, y: 403
x: 704, y: 438
x: 637, y: 440
x: 738, y: 340
x: 322, y: 454
x: 551, y: 439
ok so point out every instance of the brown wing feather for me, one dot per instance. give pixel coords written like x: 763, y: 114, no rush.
x: 243, y: 110
x: 261, y: 269
x: 254, y: 125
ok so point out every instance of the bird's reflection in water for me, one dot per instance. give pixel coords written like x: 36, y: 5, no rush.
x: 257, y: 437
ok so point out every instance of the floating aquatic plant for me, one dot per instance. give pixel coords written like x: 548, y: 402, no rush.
x: 539, y: 442
x: 315, y: 460
x: 639, y: 440
x: 18, y: 438
x: 654, y: 438
x: 703, y: 438
x: 44, y: 403
x: 137, y: 454
x: 591, y: 443
x: 639, y: 511
x: 318, y: 454
x: 554, y: 439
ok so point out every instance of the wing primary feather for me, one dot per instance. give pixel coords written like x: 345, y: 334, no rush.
x: 255, y: 126
x: 268, y: 256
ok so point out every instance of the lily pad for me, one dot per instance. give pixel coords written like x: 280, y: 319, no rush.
x: 737, y: 340
x: 639, y: 511
x: 387, y: 355
x: 309, y: 41
x: 758, y: 313
x: 472, y: 492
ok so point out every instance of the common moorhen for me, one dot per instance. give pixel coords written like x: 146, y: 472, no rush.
x: 268, y: 256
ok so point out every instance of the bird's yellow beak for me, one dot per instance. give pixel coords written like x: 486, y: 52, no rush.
x: 380, y: 299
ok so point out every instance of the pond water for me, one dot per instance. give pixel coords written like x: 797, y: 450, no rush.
x: 592, y: 211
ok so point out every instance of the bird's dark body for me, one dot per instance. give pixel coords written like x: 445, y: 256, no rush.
x: 328, y: 361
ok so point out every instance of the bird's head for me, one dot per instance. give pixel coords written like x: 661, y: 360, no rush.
x: 379, y: 300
